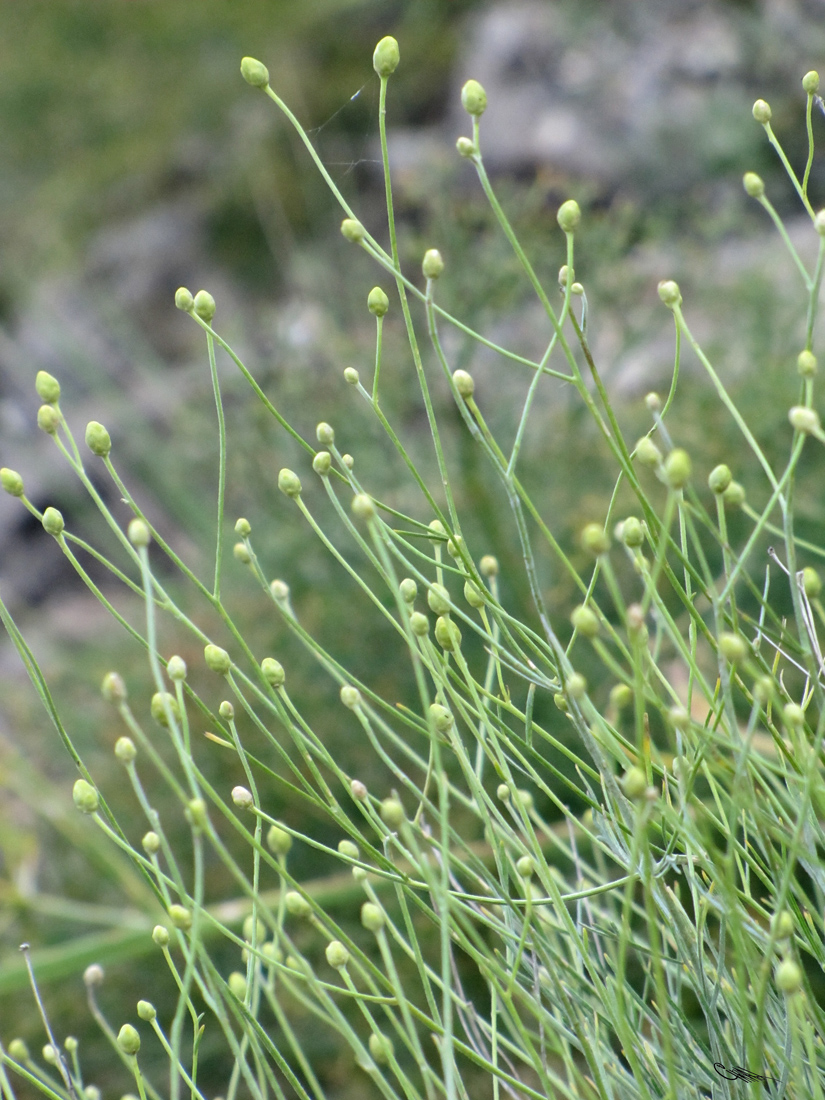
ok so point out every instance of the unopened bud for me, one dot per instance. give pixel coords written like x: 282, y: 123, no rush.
x: 372, y: 917
x: 113, y: 688
x: 289, y: 483
x: 810, y: 82
x: 734, y: 495
x: 351, y: 376
x: 806, y: 364
x: 419, y: 624
x: 377, y: 302
x: 585, y: 621
x: 819, y: 222
x: 146, y: 1010
x: 217, y: 659
x: 788, y: 977
x: 754, y: 185
x: 386, y: 57
x: 273, y: 671
x: 433, y: 264
x: 358, y: 790
x: 128, y: 1040
x: 805, y: 420
x: 97, y: 439
x: 408, y: 589
x: 594, y: 539
x: 138, y: 533
x: 761, y: 111
x: 488, y: 566
x: 464, y: 383
x: 151, y: 842
x: 125, y: 750
x: 669, y: 293
x: 634, y: 783
x: 180, y: 916
x: 162, y: 706
x: 85, y: 797
x: 811, y: 582
x: 733, y: 647
x: 160, y: 935
x: 350, y: 696
x: 204, y: 305
x: 647, y: 453
x: 466, y: 147
x: 569, y: 216
x: 719, y: 478
x: 48, y: 419
x: 353, y: 230
x: 53, y: 522
x: 184, y: 299
x: 438, y: 599
x: 322, y: 462
x: 176, y: 669
x: 254, y: 72
x: 363, y: 506
x: 474, y: 99
x: 632, y: 533
x: 93, y: 975
x: 278, y: 840
x: 337, y: 955
x: 678, y: 468
x: 240, y: 552
x: 47, y: 386
x: 392, y: 813
x: 297, y: 904
x: 242, y: 798
x: 12, y: 482
x: 447, y: 633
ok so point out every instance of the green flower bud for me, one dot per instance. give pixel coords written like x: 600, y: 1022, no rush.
x: 447, y: 633
x: 278, y: 840
x: 351, y: 376
x: 243, y: 528
x: 763, y: 689
x: 347, y: 848
x: 419, y: 624
x: 526, y: 867
x: 358, y: 790
x: 48, y: 388
x: 92, y: 1092
x: 811, y: 582
x: 678, y: 468
x: 237, y: 985
x: 113, y: 688
x: 180, y: 917
x: 337, y: 955
x: 217, y: 659
x: 128, y: 1040
x: 594, y: 540
x: 138, y: 533
x: 761, y: 111
x: 93, y: 975
x: 146, y: 1010
x: 53, y: 522
x: 794, y: 715
x: 381, y: 1047
x: 408, y: 589
x: 363, y: 506
x: 377, y: 302
x: 240, y: 553
x: 569, y: 216
x: 810, y: 82
x: 734, y: 495
x: 242, y: 798
x: 473, y: 594
x: 561, y: 702
x: 488, y: 566
x: 196, y: 813
x: 160, y: 935
x: 503, y: 792
x: 289, y: 483
x: 254, y: 72
x: 733, y: 647
x: 297, y: 904
x: 386, y: 57
x: 819, y: 223
x: 348, y: 461
x: 279, y: 590
x: 621, y: 696
x: 163, y: 704
x: 466, y: 147
x: 783, y: 923
x: 12, y: 482
x: 48, y: 419
x: 273, y: 671
x: 576, y: 685
x: 97, y: 439
x: 754, y: 185
x: 151, y: 843
x: 806, y: 364
x: 204, y: 305
x: 322, y: 462
x: 50, y: 1055
x: 632, y: 533
x: 653, y: 402
x: 719, y: 478
x: 85, y: 797
x: 125, y: 750
x: 804, y: 420
x: 176, y: 669
x: 474, y: 99
x: 226, y: 710
x: 433, y: 264
x: 464, y: 383
x: 647, y: 453
x: 525, y: 800
x: 439, y: 599
x: 353, y: 230
x: 372, y: 917
x: 437, y: 528
x: 324, y: 433
x: 585, y: 621
x: 392, y: 813
x: 442, y: 719
x: 350, y: 696
x: 19, y: 1051
x: 634, y: 783
x: 669, y: 293
x: 184, y: 299
x: 788, y: 977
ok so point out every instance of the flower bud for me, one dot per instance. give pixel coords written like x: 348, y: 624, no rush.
x: 669, y: 293
x: 93, y: 975
x: 12, y: 482
x: 279, y: 590
x: 372, y: 917
x: 324, y: 433
x: 503, y: 792
x: 754, y: 185
x: 594, y: 539
x: 442, y: 719
x: 151, y: 843
x: 633, y: 534
x: 184, y: 300
x: 204, y: 305
x: 146, y: 1010
x: 48, y: 419
x: 621, y: 696
x: 337, y: 955
x: 242, y: 798
x: 128, y: 1040
x: 273, y: 671
x: 447, y: 633
x: 794, y: 715
x: 733, y: 647
x: 322, y: 462
x: 138, y: 533
x: 48, y: 388
x: 438, y: 599
x: 53, y: 522
x: 113, y: 688
x: 97, y: 439
x: 647, y: 453
x: 734, y: 495
x: 488, y: 566
x: 363, y: 506
x: 783, y: 923
x: 125, y: 750
x: 804, y: 419
x: 377, y: 302
x: 217, y: 659
x: 180, y: 916
x: 278, y: 840
x: 348, y: 461
x: 526, y: 867
x: 240, y: 553
x: 392, y: 813
x: 678, y: 468
x: 226, y: 710
x: 464, y: 383
x: 585, y: 621
x: 351, y: 376
x: 634, y: 783
x: 761, y: 111
x: 719, y: 478
x: 85, y: 797
x: 176, y: 669
x: 289, y: 483
x: 160, y: 935
x: 576, y: 685
x: 386, y: 57
x: 19, y: 1051
x: 819, y: 222
x: 433, y: 264
x: 466, y: 147
x: 474, y: 595
x: 297, y: 904
x: 408, y: 589
x: 353, y: 230
x: 806, y: 364
x: 347, y: 848
x: 419, y: 624
x: 569, y: 216
x: 358, y: 790
x: 788, y: 977
x: 196, y: 813
x: 381, y: 1048
x: 474, y: 99
x: 350, y: 696
x: 237, y: 985
x: 162, y: 706
x: 810, y: 82
x: 254, y: 72
x: 811, y: 582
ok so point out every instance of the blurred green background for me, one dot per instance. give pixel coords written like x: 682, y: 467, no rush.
x: 126, y: 129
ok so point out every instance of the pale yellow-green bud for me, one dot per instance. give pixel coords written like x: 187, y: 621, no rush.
x: 237, y: 985
x: 363, y: 506
x: 783, y: 924
x: 647, y: 453
x: 113, y: 689
x: 240, y: 552
x: 85, y: 797
x: 204, y: 305
x: 47, y: 386
x: 19, y: 1051
x: 804, y: 420
x: 128, y: 1040
x: 196, y: 813
x: 163, y: 704
x: 297, y: 904
x: 408, y: 589
x: 634, y: 783
x: 351, y: 376
x: 810, y: 82
x: 621, y: 696
x: 576, y: 685
x: 176, y: 669
x: 819, y: 223
x: 788, y: 977
x: 419, y: 624
x: 464, y: 383
x: 151, y: 842
x: 243, y: 528
x: 160, y: 935
x: 719, y: 478
x: 377, y: 302
x: 473, y: 594
x: 372, y: 917
x: 93, y: 975
x: 337, y: 955
x: 438, y: 599
x: 754, y: 185
x: 503, y: 792
x: 353, y: 230
x: 289, y: 483
x: 806, y: 364
x: 442, y: 719
x: 217, y: 659
x: 138, y: 532
x: 254, y: 72
x: 669, y: 293
x: 761, y: 111
x: 794, y: 715
x: 273, y: 671
x: 585, y: 621
x: 811, y: 582
x: 386, y: 57
x: 325, y: 433
x: 347, y: 848
x: 184, y: 299
x: 125, y: 750
x: 12, y: 482
x: 97, y: 439
x: 447, y: 633
x: 678, y: 468
x: 321, y: 463
x: 733, y: 647
x: 48, y: 419
x: 526, y: 867
x: 358, y: 790
x: 474, y: 99
x: 734, y: 495
x: 180, y: 917
x: 594, y: 539
x: 466, y: 147
x: 242, y: 798
x: 53, y: 522
x: 146, y: 1010
x: 278, y: 840
x: 433, y: 264
x: 381, y: 1047
x: 569, y: 215
x: 632, y: 533
x: 392, y: 813
x: 226, y: 710
x: 350, y: 696
x: 488, y: 566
